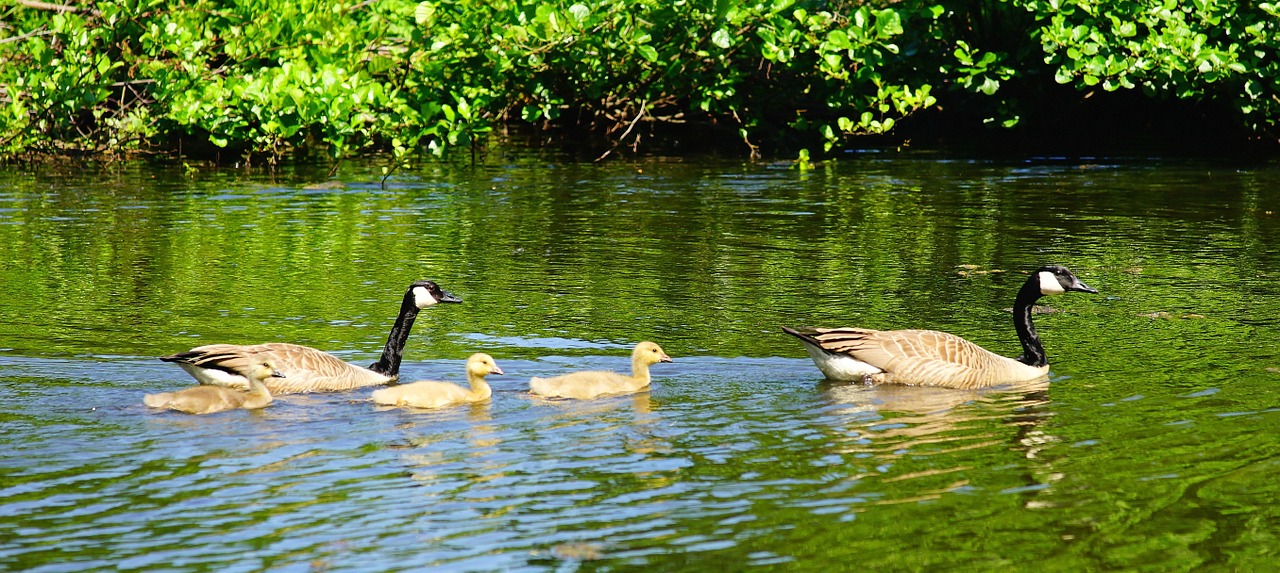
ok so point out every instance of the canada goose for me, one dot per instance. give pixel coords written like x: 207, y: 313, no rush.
x: 307, y: 369
x: 210, y: 399
x: 932, y: 358
x: 431, y: 394
x: 593, y: 383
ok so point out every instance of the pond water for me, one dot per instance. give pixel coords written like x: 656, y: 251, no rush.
x: 1153, y: 446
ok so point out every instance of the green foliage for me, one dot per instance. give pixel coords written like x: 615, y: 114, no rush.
x: 266, y: 77
x: 1214, y: 50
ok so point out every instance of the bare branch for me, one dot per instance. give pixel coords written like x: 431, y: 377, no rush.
x: 639, y: 115
x: 37, y: 32
x: 38, y: 5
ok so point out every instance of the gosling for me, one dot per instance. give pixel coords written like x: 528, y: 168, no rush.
x: 595, y: 383
x: 209, y: 399
x: 431, y: 394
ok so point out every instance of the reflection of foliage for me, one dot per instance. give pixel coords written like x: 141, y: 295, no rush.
x: 705, y: 260
x: 1131, y: 462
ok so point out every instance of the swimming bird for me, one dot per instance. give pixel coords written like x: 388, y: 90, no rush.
x: 593, y: 383
x: 932, y: 358
x: 307, y: 369
x: 432, y: 394
x: 210, y: 399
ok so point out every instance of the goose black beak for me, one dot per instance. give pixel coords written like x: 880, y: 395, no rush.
x: 1081, y: 287
x: 276, y: 374
x: 449, y: 297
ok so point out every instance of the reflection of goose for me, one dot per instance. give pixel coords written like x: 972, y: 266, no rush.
x: 307, y: 369
x: 593, y: 383
x: 932, y: 358
x: 210, y: 399
x: 432, y: 394
x: 916, y: 401
x: 892, y: 421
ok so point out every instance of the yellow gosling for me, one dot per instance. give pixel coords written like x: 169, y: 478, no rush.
x: 210, y: 399
x: 594, y: 383
x: 432, y: 394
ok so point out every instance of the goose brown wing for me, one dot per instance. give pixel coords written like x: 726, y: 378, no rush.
x: 926, y: 357
x: 305, y: 369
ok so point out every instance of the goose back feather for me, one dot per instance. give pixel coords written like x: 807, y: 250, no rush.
x: 932, y: 358
x: 916, y: 357
x: 307, y: 369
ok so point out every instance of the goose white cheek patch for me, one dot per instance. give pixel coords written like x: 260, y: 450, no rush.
x: 422, y: 297
x: 1049, y: 284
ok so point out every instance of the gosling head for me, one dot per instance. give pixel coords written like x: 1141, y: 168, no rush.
x: 1054, y: 279
x: 481, y: 364
x: 426, y: 293
x: 263, y: 369
x: 649, y: 353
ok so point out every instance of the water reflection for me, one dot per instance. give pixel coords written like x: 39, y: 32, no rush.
x: 1150, y: 447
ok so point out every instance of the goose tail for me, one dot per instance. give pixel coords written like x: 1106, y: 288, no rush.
x: 806, y: 335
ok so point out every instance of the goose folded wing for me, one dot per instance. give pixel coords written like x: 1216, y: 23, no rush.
x: 924, y: 357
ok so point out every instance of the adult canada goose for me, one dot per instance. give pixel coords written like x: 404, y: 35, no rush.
x: 307, y: 369
x: 432, y: 394
x: 593, y: 383
x: 932, y: 358
x: 210, y: 399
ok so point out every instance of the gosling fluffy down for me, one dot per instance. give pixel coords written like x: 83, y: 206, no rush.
x: 594, y: 383
x: 432, y: 394
x: 210, y: 399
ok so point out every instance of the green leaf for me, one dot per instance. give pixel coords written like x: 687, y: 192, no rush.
x: 648, y: 53
x: 721, y: 38
x: 839, y: 40
x: 424, y: 13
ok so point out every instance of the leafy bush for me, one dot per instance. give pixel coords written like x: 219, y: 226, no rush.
x: 1204, y: 49
x: 265, y: 77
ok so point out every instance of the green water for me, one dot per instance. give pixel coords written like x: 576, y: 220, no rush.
x: 1154, y: 446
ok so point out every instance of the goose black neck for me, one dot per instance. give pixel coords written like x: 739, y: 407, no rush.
x: 1032, y: 350
x: 389, y: 364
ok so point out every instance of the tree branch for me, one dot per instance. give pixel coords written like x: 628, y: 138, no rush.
x: 38, y: 5
x: 37, y: 32
x: 639, y: 115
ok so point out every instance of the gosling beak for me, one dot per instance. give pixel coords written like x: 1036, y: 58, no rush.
x: 449, y: 297
x: 665, y: 358
x: 496, y: 370
x: 276, y: 374
x: 1081, y: 287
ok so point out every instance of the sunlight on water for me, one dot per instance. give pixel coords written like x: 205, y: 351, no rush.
x: 1151, y: 445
